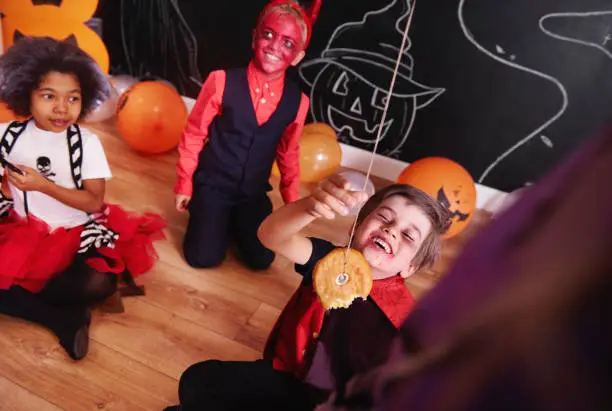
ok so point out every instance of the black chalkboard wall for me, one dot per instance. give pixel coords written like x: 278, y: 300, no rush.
x: 505, y: 88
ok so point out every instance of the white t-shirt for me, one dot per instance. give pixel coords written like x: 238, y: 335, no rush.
x: 48, y: 153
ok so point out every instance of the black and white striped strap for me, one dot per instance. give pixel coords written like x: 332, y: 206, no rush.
x: 75, y: 152
x: 9, y: 137
x: 96, y: 235
x: 5, y: 205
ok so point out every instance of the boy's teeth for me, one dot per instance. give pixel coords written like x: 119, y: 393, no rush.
x: 383, y: 244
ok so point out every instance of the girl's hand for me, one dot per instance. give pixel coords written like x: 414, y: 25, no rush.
x: 332, y: 196
x: 6, y: 191
x: 31, y: 180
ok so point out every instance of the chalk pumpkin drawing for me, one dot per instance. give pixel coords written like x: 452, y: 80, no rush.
x: 349, y: 81
x: 65, y: 21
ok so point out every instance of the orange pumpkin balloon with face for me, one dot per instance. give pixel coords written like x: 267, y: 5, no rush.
x: 66, y: 21
x: 449, y: 183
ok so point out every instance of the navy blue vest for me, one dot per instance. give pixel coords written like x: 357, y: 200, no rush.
x: 238, y: 157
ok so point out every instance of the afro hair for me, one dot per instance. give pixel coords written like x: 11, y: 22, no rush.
x: 29, y: 59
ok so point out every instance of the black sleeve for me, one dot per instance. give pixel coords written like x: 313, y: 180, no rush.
x: 320, y: 248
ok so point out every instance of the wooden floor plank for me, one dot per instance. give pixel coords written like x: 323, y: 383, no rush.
x: 33, y: 360
x: 255, y: 333
x: 206, y: 303
x: 164, y: 341
x: 15, y: 398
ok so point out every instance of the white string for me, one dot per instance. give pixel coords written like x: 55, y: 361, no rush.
x: 380, y: 127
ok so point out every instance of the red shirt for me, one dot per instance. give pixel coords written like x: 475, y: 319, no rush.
x: 265, y: 96
x: 294, y: 344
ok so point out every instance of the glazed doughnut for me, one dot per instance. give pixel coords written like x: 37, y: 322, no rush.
x: 338, y: 286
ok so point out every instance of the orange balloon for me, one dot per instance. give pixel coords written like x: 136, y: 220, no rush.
x: 66, y: 21
x: 7, y: 115
x: 151, y: 117
x: 320, y: 156
x: 319, y: 128
x: 449, y: 183
x: 275, y: 169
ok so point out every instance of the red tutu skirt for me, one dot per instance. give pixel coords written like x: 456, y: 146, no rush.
x: 31, y: 254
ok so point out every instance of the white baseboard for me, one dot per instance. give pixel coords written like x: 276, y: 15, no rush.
x: 487, y: 198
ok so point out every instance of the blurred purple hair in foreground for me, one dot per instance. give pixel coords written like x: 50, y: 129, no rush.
x: 523, y: 319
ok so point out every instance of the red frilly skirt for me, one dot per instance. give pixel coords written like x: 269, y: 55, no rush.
x: 31, y: 254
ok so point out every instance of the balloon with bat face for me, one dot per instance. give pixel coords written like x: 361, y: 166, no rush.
x: 449, y: 183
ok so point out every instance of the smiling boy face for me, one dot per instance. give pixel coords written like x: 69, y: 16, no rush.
x: 391, y: 235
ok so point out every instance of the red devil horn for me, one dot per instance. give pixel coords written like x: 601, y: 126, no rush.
x: 310, y: 15
x: 313, y: 11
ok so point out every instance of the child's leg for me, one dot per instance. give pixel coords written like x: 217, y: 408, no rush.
x: 70, y: 325
x: 63, y: 305
x: 79, y: 285
x: 207, y: 236
x: 246, y: 219
x: 228, y: 385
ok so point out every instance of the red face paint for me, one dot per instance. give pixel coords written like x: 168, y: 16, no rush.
x: 278, y: 41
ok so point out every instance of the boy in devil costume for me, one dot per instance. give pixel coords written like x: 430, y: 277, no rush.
x: 242, y: 121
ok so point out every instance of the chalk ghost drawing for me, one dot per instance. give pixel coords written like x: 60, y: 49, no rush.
x: 591, y: 29
x: 349, y: 81
x: 500, y: 56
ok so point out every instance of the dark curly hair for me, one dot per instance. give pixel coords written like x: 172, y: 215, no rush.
x: 29, y: 59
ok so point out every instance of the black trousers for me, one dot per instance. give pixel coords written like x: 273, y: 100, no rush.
x: 63, y: 305
x: 216, y: 219
x: 228, y: 386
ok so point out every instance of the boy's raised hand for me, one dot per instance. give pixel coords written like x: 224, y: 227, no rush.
x: 332, y: 196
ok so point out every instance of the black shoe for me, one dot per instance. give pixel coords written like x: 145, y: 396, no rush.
x: 76, y: 343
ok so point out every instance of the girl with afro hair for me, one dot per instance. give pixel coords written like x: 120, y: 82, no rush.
x: 61, y: 247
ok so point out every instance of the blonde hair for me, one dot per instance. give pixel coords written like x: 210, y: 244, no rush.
x: 288, y: 10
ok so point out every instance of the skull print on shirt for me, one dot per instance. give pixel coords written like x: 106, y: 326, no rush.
x: 43, y: 165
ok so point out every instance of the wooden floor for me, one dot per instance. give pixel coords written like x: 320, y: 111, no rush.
x: 187, y: 315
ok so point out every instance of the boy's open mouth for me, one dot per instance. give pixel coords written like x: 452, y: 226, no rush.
x: 383, y: 245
